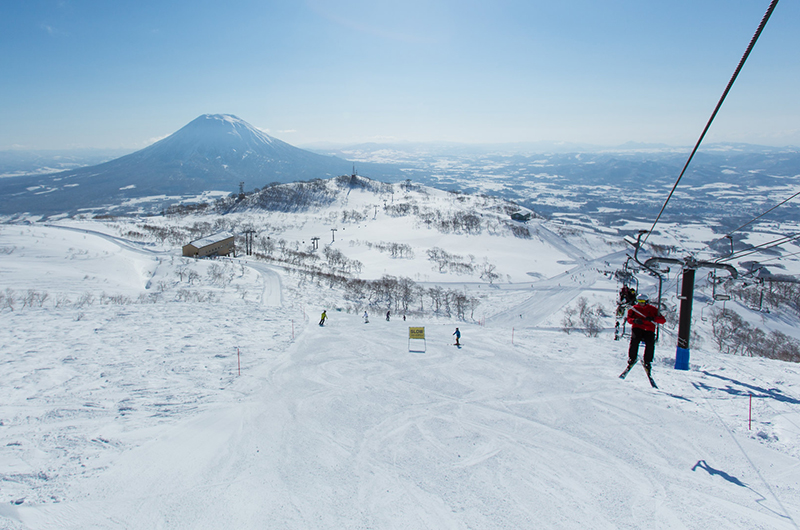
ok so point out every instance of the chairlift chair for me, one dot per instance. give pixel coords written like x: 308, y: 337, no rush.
x: 629, y: 278
x: 704, y: 318
x: 717, y: 297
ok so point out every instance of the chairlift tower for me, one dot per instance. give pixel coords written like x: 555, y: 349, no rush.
x: 689, y: 267
x: 249, y: 237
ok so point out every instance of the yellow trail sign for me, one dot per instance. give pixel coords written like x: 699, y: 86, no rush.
x: 416, y: 333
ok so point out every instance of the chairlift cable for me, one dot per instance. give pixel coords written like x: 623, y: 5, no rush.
x: 764, y: 246
x: 780, y: 257
x: 754, y: 219
x: 716, y: 110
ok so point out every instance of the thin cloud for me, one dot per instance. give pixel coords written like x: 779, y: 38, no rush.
x: 151, y: 141
x: 53, y: 32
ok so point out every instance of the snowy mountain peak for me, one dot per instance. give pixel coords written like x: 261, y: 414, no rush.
x: 219, y: 133
x: 227, y: 124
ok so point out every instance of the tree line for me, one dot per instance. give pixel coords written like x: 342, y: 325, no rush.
x: 399, y: 295
x: 734, y: 335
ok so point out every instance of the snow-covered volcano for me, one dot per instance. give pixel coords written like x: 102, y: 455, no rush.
x: 219, y: 147
x: 214, y: 152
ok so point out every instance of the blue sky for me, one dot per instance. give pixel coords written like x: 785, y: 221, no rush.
x: 123, y: 73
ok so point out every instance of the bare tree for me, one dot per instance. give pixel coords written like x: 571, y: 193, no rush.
x: 488, y: 273
x: 405, y: 292
x: 568, y: 320
x: 181, y: 271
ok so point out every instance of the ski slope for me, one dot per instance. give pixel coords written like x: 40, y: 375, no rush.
x: 136, y: 415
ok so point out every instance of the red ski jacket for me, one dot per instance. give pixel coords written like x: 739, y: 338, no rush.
x: 646, y: 315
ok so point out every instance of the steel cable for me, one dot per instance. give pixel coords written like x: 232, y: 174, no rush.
x: 763, y: 23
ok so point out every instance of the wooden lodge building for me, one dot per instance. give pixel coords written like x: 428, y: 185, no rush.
x: 220, y: 244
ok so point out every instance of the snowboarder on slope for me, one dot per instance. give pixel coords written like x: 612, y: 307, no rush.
x: 323, y: 318
x: 366, y: 318
x: 643, y: 318
x: 458, y: 336
x: 387, y: 316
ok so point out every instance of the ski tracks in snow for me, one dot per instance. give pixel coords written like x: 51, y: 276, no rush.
x: 272, y: 292
x: 547, y: 297
x: 345, y: 428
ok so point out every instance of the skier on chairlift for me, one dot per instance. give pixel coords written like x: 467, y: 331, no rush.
x: 643, y: 318
x: 627, y: 297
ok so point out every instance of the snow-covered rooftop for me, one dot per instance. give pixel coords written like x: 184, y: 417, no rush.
x: 210, y: 240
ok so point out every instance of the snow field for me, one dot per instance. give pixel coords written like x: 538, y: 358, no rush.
x: 78, y: 389
x: 543, y: 251
x: 351, y: 430
x: 133, y: 415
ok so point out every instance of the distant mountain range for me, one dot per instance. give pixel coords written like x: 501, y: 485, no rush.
x: 407, y: 151
x: 214, y: 152
x: 22, y: 162
x: 210, y: 156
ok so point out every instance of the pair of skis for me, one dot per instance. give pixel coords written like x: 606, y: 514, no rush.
x: 646, y: 370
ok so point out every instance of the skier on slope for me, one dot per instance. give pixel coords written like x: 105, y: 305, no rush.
x: 366, y: 318
x: 643, y: 318
x: 458, y: 337
x: 323, y: 318
x: 387, y: 316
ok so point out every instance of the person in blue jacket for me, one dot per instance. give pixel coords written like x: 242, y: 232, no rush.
x: 458, y: 337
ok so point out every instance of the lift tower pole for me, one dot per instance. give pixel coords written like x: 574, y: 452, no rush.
x: 685, y: 319
x: 689, y: 265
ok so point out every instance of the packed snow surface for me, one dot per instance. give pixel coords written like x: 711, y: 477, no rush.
x: 136, y: 398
